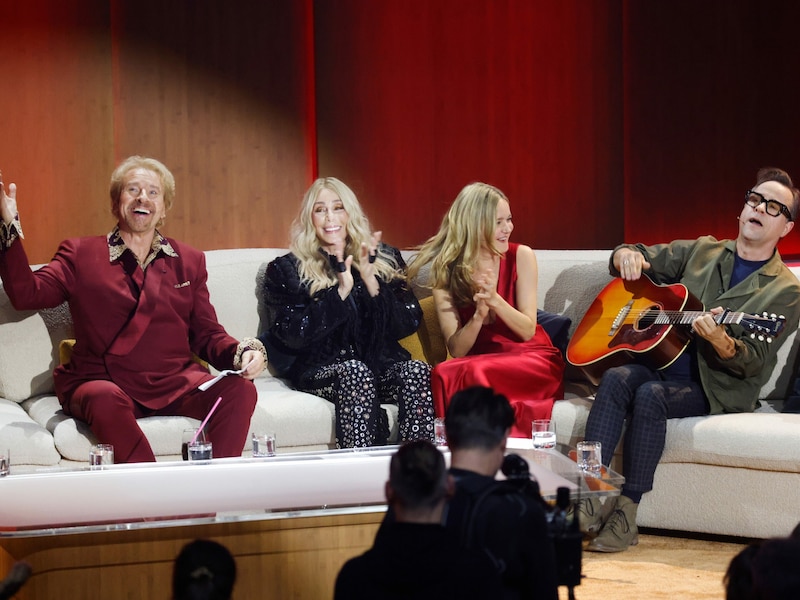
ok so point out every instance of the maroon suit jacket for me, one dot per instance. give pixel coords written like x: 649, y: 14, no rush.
x: 139, y: 335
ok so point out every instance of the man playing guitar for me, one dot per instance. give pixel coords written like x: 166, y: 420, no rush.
x: 724, y: 367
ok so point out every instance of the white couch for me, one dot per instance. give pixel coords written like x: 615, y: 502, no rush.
x: 727, y: 474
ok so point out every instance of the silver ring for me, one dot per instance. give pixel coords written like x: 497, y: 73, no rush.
x: 625, y: 262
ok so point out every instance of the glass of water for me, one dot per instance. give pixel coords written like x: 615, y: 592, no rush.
x: 200, y: 451
x: 543, y: 434
x: 590, y: 456
x: 101, y: 455
x: 439, y: 432
x: 263, y: 444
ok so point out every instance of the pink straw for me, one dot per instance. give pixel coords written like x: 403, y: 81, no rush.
x: 208, y: 416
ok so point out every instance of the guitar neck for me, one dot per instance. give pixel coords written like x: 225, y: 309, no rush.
x: 687, y: 317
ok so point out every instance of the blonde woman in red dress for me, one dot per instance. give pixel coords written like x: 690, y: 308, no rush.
x: 484, y: 288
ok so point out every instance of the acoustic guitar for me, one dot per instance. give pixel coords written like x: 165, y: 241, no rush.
x: 640, y: 321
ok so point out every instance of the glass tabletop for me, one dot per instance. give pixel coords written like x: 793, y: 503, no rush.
x: 176, y: 493
x: 559, y: 462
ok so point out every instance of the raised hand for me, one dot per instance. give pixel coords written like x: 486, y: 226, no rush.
x: 8, y: 202
x: 343, y: 271
x: 366, y: 263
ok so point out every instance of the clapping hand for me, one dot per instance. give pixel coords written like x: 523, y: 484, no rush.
x: 343, y: 272
x: 369, y: 253
x: 484, y: 298
x: 8, y: 202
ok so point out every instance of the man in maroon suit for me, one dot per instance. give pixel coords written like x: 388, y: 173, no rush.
x: 140, y: 308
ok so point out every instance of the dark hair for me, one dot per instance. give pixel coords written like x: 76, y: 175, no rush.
x: 418, y: 475
x: 775, y: 572
x: 738, y: 579
x: 204, y: 570
x: 782, y: 177
x: 477, y: 418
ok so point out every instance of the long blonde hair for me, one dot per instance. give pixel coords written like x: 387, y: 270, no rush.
x: 453, y: 252
x: 315, y: 269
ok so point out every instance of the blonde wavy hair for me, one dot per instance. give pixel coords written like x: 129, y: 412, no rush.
x: 453, y: 252
x: 315, y: 268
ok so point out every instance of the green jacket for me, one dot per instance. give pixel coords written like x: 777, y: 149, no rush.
x: 704, y: 266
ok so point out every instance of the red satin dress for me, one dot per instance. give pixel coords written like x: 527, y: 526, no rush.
x: 529, y: 374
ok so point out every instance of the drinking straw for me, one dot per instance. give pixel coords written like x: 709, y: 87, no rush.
x: 203, y: 424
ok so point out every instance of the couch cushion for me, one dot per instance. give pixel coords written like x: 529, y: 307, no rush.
x: 296, y: 418
x: 29, y: 350
x: 761, y: 440
x: 235, y: 279
x: 29, y: 442
x: 427, y: 343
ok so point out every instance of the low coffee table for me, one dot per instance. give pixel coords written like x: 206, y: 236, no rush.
x: 174, y: 493
x: 556, y: 467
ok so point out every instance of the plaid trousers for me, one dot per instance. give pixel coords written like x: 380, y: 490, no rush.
x: 642, y: 397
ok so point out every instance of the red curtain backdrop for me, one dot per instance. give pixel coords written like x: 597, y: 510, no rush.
x: 711, y: 95
x: 417, y: 99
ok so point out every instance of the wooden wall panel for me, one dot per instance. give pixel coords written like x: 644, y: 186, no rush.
x: 417, y: 99
x: 711, y: 96
x: 219, y: 92
x: 56, y: 116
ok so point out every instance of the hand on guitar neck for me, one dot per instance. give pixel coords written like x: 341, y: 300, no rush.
x: 708, y: 328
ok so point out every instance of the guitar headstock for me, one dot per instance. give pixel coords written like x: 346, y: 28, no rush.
x: 764, y: 327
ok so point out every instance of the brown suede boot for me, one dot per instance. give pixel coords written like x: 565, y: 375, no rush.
x: 592, y: 513
x: 619, y: 532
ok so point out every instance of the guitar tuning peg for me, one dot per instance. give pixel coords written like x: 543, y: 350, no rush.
x: 761, y: 338
x: 769, y: 340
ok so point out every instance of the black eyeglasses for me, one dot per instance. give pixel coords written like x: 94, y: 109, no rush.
x: 774, y: 208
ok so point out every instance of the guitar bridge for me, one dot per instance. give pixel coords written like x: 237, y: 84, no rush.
x: 620, y: 318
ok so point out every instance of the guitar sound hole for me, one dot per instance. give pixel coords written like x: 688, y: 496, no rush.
x: 648, y: 317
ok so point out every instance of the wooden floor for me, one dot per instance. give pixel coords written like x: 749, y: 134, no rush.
x: 279, y: 558
x: 664, y: 565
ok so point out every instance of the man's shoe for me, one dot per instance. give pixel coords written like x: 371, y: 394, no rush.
x: 592, y: 513
x: 619, y: 532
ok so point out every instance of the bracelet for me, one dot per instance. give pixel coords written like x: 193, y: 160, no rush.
x: 249, y: 344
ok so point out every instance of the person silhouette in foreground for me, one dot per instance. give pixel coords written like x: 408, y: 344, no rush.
x: 204, y: 570
x: 511, y: 528
x: 413, y: 557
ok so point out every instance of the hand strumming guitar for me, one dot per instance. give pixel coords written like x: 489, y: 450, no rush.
x: 630, y: 263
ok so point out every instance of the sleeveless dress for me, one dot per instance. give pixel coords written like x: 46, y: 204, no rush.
x: 529, y: 374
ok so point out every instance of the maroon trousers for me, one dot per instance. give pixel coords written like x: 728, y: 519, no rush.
x: 111, y: 414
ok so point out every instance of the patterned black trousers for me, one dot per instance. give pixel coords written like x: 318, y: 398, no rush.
x: 639, y: 395
x: 357, y: 394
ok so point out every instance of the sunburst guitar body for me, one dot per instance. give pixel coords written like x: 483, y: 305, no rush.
x: 640, y: 321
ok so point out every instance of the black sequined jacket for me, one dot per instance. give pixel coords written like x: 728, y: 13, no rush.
x: 307, y: 332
